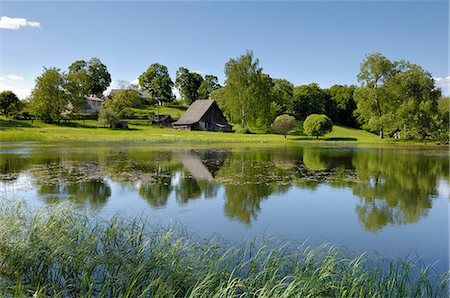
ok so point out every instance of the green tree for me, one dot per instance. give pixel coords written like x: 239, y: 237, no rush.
x: 157, y: 82
x: 87, y: 78
x: 307, y: 100
x: 121, y: 100
x: 414, y: 110
x: 99, y: 75
x: 108, y: 116
x: 283, y: 124
x: 399, y: 98
x: 283, y: 92
x: 317, y: 125
x: 371, y: 100
x: 9, y: 102
x: 116, y: 108
x: 208, y: 85
x: 188, y: 83
x: 49, y: 99
x: 343, y: 105
x: 247, y: 92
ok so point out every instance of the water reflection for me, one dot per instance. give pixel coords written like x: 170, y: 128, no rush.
x: 394, y: 186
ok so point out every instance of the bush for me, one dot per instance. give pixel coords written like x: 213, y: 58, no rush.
x: 283, y: 124
x: 242, y: 130
x: 108, y: 116
x: 317, y: 125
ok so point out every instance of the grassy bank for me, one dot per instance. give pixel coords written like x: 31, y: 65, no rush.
x: 60, y: 252
x: 12, y: 130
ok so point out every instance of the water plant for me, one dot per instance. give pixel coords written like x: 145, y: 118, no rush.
x: 58, y: 251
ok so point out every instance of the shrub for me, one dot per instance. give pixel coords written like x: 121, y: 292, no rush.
x: 108, y: 116
x: 283, y: 124
x: 317, y: 125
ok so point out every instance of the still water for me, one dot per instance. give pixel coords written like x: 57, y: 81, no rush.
x: 392, y: 200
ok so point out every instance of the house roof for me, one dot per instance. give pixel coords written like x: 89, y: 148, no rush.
x: 93, y: 98
x: 162, y: 117
x: 195, y: 112
x: 141, y: 93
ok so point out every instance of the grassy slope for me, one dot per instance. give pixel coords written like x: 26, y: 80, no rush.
x: 92, y: 131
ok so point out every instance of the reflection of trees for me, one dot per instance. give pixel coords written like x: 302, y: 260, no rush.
x: 92, y: 193
x: 11, y: 165
x: 249, y: 177
x: 396, y: 187
x: 157, y: 193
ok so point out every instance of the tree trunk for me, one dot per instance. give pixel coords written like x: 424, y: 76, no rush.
x: 285, y: 136
x: 243, y: 118
x: 381, y: 133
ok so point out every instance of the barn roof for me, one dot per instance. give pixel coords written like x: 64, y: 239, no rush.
x: 195, y: 112
x: 162, y: 117
x: 142, y: 93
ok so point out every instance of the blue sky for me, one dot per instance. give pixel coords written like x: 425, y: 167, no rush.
x: 303, y: 42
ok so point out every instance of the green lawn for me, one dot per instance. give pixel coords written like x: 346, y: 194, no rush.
x: 13, y: 130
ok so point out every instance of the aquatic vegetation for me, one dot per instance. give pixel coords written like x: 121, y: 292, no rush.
x: 63, y: 252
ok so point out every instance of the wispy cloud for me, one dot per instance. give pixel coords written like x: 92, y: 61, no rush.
x: 442, y: 82
x: 135, y: 82
x: 17, y: 23
x: 14, y: 77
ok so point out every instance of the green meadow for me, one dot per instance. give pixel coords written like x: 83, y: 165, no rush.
x: 142, y: 131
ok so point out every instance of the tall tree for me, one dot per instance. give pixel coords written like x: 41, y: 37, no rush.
x: 283, y: 92
x: 88, y: 78
x: 371, y: 101
x: 8, y: 102
x: 397, y: 97
x: 248, y: 91
x: 157, y: 82
x: 99, y: 75
x: 414, y: 109
x: 209, y: 84
x: 307, y: 100
x: 188, y: 83
x: 49, y: 99
x: 343, y: 104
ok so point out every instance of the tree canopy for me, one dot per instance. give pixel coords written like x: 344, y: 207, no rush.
x: 156, y: 80
x: 397, y: 98
x: 49, y: 99
x: 8, y: 102
x: 246, y: 96
x: 188, y: 83
x: 307, y: 100
x: 317, y: 125
x: 283, y: 124
x: 342, y: 105
x: 209, y: 84
x: 88, y: 78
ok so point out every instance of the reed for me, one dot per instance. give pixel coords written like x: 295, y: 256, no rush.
x: 62, y: 252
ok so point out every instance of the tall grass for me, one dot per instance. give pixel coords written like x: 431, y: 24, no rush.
x: 61, y: 252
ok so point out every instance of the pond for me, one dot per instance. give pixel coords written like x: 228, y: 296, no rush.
x: 392, y: 200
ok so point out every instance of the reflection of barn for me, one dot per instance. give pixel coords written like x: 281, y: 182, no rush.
x: 203, y: 115
x: 203, y: 164
x: 162, y: 120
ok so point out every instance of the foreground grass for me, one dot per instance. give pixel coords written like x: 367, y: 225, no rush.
x: 61, y: 252
x: 11, y: 130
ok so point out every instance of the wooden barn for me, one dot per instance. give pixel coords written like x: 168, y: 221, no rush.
x: 162, y: 120
x: 203, y: 115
